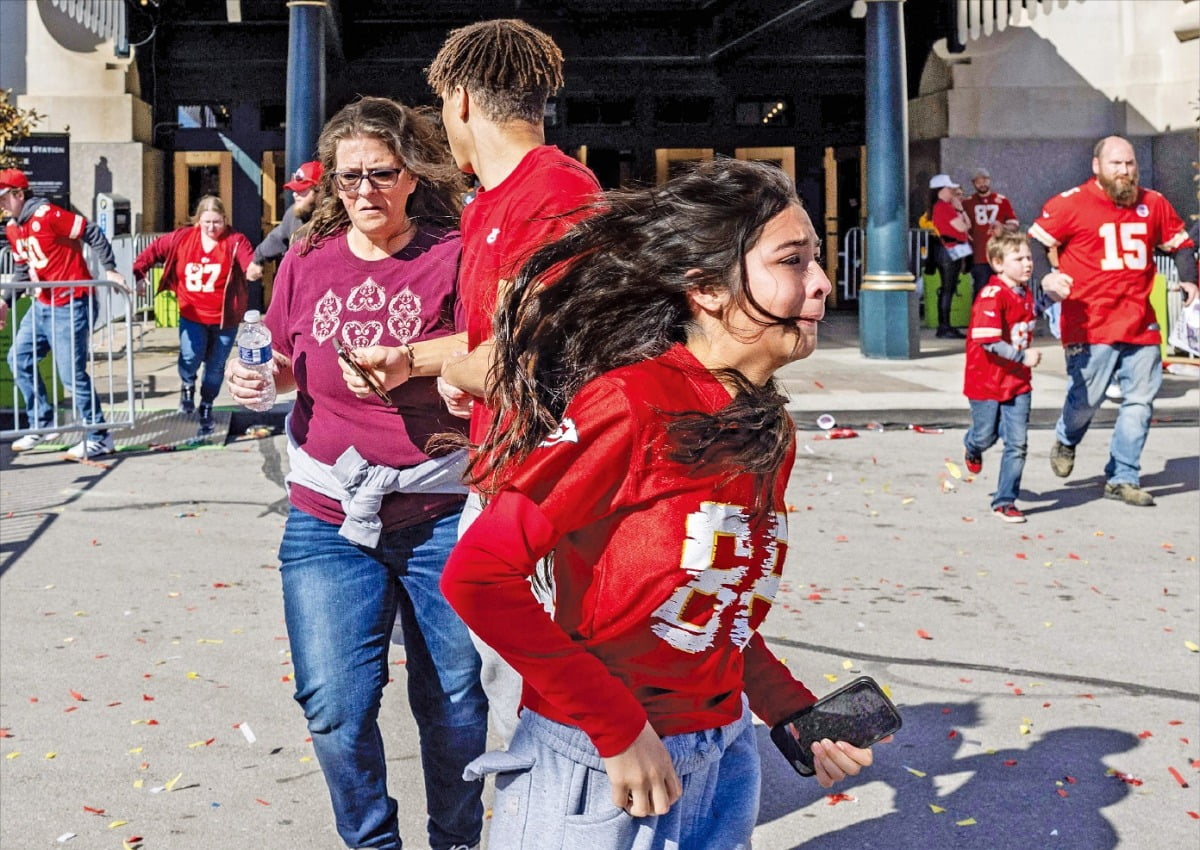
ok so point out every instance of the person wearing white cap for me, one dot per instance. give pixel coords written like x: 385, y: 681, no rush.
x: 953, y: 244
x: 989, y: 213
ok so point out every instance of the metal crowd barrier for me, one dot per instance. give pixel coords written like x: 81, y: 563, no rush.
x: 852, y: 259
x: 48, y: 337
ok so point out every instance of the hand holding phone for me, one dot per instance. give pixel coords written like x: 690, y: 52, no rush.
x: 361, y: 372
x: 858, y: 713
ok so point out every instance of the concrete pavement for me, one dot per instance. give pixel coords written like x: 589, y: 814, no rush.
x: 1047, y: 672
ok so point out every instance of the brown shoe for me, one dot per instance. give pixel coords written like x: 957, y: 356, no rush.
x: 1062, y: 459
x: 1130, y: 494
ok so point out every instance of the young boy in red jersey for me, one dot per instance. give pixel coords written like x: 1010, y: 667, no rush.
x: 998, y: 368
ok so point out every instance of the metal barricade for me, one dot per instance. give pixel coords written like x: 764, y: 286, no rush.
x: 52, y: 353
x: 852, y: 259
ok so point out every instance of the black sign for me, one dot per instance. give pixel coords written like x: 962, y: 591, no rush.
x: 46, y: 160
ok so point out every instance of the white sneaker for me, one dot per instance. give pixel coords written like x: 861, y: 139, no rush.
x: 88, y: 447
x: 32, y: 441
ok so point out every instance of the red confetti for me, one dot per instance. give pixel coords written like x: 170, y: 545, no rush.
x: 151, y: 722
x: 1178, y: 778
x: 4, y: 733
x: 75, y: 695
x: 953, y: 734
x: 921, y: 429
x: 70, y: 708
x: 133, y: 839
x: 839, y: 797
x: 1128, y: 779
x: 1073, y: 556
x: 818, y: 385
x: 93, y: 811
x: 1145, y: 733
x: 813, y: 597
x: 924, y: 635
x: 1062, y: 792
x: 1021, y: 556
x: 261, y: 802
x: 1071, y: 780
x: 1194, y: 815
x: 147, y: 698
x: 1086, y: 696
x: 841, y: 538
x: 1010, y: 763
x: 1018, y: 692
x: 95, y: 542
x: 219, y: 584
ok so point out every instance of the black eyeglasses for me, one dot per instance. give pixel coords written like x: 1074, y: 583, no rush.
x: 379, y: 178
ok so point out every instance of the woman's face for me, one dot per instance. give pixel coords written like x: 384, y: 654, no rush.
x: 211, y: 223
x: 785, y: 278
x: 946, y: 193
x: 376, y: 213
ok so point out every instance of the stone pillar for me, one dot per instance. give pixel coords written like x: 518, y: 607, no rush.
x: 305, y: 80
x: 887, y: 298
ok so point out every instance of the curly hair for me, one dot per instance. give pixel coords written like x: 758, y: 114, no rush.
x: 509, y: 67
x: 619, y: 295
x: 415, y: 136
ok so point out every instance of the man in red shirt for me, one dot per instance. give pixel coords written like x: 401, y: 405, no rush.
x: 1100, y: 239
x: 47, y: 242
x: 990, y: 213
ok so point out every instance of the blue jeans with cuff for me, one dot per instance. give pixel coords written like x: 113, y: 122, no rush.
x: 208, y: 345
x: 65, y: 332
x: 340, y: 603
x: 1008, y: 421
x: 1090, y: 369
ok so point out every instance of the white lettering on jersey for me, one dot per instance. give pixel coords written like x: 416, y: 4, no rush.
x: 493, y: 236
x: 564, y: 433
x: 1134, y: 248
x: 715, y: 553
x: 986, y: 213
x: 201, y: 277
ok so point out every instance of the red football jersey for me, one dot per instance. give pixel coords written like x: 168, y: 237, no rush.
x: 984, y: 211
x: 998, y: 314
x: 202, y: 276
x: 49, y: 244
x: 1108, y: 251
x: 662, y: 577
x: 504, y: 225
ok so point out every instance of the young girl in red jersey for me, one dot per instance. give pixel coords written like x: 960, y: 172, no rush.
x: 205, y: 265
x: 642, y: 443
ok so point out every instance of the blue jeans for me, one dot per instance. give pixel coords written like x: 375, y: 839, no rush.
x: 1008, y: 421
x: 340, y: 603
x: 1090, y: 369
x: 207, y: 344
x: 65, y: 332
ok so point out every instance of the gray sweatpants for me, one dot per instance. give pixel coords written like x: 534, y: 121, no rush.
x: 552, y: 792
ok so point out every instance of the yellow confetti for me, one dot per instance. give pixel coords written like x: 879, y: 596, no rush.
x: 81, y: 613
x: 847, y: 664
x: 138, y: 783
x: 829, y: 677
x: 195, y: 744
x: 193, y: 675
x: 918, y: 773
x: 210, y: 640
x: 1047, y: 624
x: 50, y: 754
x: 966, y: 822
x: 937, y: 810
x: 48, y: 587
x: 305, y: 758
x: 135, y: 750
x: 887, y: 690
x: 954, y: 470
x: 1025, y: 730
x: 117, y: 823
x: 170, y: 786
x: 1192, y: 645
x: 907, y: 501
x: 14, y: 754
x: 125, y: 845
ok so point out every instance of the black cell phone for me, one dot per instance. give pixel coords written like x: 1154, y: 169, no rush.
x: 858, y: 713
x: 358, y: 370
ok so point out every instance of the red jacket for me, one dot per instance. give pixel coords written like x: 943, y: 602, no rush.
x: 162, y: 252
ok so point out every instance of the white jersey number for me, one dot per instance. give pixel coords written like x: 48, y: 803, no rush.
x: 986, y: 213
x: 716, y: 553
x: 201, y: 277
x: 1132, y: 252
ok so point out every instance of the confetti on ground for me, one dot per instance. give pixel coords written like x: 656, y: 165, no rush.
x: 1192, y: 645
x: 247, y: 733
x: 937, y: 810
x: 918, y: 773
x: 1178, y: 778
x: 65, y: 837
x: 924, y: 635
x: 965, y: 822
x: 840, y: 797
x: 953, y: 468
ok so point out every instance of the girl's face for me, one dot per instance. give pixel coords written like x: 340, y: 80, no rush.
x: 211, y: 223
x: 376, y: 213
x: 785, y: 278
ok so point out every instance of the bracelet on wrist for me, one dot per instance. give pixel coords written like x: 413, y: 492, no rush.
x: 412, y: 363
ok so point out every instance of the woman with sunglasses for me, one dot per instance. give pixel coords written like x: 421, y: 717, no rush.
x: 373, y: 514
x: 205, y: 264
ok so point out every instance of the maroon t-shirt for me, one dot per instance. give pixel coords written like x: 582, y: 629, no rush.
x: 329, y: 293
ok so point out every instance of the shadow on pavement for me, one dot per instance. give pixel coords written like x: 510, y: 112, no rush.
x: 984, y: 796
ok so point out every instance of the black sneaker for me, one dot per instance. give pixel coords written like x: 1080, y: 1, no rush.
x: 1130, y: 494
x: 207, y: 423
x: 1062, y: 459
x: 974, y: 462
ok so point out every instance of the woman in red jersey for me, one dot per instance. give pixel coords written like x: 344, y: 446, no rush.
x: 204, y: 264
x: 641, y: 442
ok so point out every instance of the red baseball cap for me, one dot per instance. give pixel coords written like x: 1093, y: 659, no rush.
x: 306, y: 176
x: 13, y: 178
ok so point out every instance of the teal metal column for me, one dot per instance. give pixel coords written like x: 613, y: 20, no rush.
x: 305, y: 80
x: 887, y: 311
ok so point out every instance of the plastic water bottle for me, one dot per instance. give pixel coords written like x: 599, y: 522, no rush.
x: 254, y: 351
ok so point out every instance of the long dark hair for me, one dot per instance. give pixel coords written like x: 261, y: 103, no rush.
x: 415, y: 136
x: 619, y: 295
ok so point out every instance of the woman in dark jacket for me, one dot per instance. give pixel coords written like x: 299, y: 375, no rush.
x: 205, y: 265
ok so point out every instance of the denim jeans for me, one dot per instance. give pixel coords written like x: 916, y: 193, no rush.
x: 65, y: 332
x: 1090, y: 368
x: 1008, y: 421
x: 340, y: 602
x: 207, y: 344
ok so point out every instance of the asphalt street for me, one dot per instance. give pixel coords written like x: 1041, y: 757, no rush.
x: 1048, y: 673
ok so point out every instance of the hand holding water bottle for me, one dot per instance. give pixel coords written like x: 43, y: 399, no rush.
x: 251, y: 376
